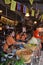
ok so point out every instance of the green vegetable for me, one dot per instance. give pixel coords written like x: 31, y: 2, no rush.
x: 20, y: 62
x: 2, y: 54
x: 1, y: 64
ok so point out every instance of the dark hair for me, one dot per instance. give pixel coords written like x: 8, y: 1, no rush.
x: 41, y: 25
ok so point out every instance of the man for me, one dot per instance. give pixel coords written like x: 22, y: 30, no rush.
x: 9, y: 41
x: 35, y: 38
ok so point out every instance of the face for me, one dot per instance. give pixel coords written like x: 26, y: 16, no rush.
x: 23, y: 38
x: 18, y: 37
x: 40, y: 30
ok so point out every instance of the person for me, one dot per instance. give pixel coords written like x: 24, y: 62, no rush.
x: 10, y: 38
x: 40, y: 29
x: 9, y: 41
x: 24, y: 37
x: 35, y: 38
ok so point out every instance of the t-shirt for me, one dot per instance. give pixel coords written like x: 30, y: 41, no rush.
x: 34, y: 40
